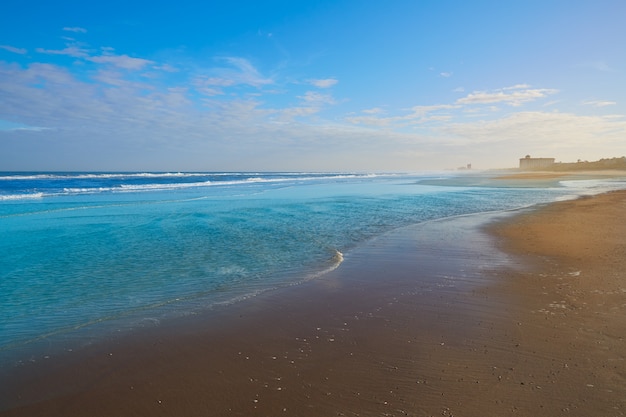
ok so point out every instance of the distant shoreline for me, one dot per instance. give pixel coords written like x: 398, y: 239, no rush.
x: 516, y: 173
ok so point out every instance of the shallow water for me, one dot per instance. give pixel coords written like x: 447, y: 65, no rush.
x: 87, y: 254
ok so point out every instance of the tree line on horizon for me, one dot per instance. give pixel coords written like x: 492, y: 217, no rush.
x: 602, y: 164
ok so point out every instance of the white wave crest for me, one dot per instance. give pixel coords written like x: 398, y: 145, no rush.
x: 70, y: 176
x: 32, y: 196
x: 123, y: 185
x: 130, y: 175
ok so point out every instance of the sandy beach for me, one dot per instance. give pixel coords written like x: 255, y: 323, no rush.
x: 429, y: 321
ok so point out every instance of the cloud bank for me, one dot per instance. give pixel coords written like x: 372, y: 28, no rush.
x: 108, y: 110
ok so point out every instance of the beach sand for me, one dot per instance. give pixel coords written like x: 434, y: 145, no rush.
x: 432, y: 320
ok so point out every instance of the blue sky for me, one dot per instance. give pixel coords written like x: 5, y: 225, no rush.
x: 318, y: 85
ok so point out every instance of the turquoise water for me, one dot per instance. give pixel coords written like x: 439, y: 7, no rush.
x: 86, y: 254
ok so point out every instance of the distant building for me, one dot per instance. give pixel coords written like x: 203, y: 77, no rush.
x: 535, y: 163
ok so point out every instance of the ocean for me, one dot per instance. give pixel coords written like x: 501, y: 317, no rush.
x: 86, y: 255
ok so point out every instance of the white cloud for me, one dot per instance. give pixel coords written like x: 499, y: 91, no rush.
x: 421, y: 111
x: 375, y: 110
x: 312, y: 102
x: 244, y: 73
x: 417, y: 115
x: 324, y: 83
x: 75, y: 29
x: 211, y: 86
x: 73, y: 51
x: 222, y: 82
x: 28, y: 129
x: 527, y: 130
x: 517, y: 87
x: 315, y: 98
x: 121, y: 61
x: 287, y: 115
x: 13, y: 49
x: 52, y: 75
x: 209, y: 91
x: 514, y: 96
x: 115, y: 77
x: 166, y: 68
x: 108, y: 57
x: 599, y: 103
x: 370, y: 120
x: 445, y: 74
x: 551, y: 103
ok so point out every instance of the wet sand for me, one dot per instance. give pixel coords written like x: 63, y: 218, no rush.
x: 429, y: 320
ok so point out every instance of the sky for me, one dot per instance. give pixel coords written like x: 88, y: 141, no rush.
x: 345, y: 85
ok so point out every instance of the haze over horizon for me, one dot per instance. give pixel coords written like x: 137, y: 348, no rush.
x: 301, y: 86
